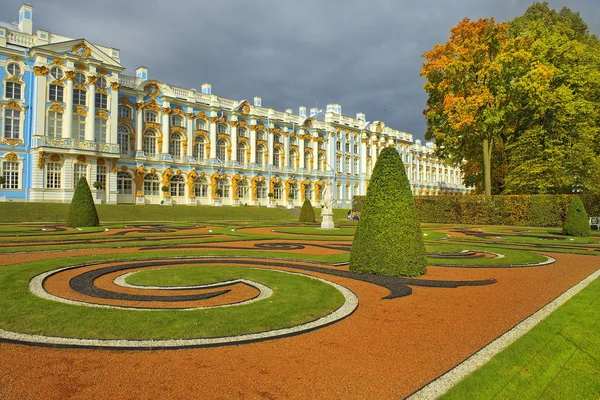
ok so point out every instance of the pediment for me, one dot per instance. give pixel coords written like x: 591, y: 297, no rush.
x: 80, y: 48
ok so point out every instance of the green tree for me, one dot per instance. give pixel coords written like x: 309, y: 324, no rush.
x: 82, y: 211
x: 307, y: 213
x: 577, y: 220
x: 388, y: 239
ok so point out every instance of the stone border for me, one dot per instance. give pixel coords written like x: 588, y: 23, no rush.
x: 445, y: 382
x: 349, y: 306
x: 549, y: 260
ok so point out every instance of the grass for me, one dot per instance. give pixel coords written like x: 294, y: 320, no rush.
x: 557, y: 359
x: 296, y: 299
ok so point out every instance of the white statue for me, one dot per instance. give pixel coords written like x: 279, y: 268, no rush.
x: 327, y: 200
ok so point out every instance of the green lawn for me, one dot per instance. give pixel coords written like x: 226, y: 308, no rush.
x: 558, y: 359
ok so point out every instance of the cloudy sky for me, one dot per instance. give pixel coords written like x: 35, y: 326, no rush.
x: 362, y: 54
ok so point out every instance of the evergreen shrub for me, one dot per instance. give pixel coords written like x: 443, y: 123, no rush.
x: 388, y: 239
x: 82, y: 211
x: 307, y: 213
x: 577, y: 221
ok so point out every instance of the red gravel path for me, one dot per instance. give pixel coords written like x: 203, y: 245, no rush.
x: 386, y: 349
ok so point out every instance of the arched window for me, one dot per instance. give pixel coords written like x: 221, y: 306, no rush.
x: 277, y: 151
x: 242, y: 132
x: 261, y: 153
x: 241, y: 153
x: 125, y: 112
x: 222, y: 150
x: 262, y: 190
x: 151, y: 185
x: 176, y: 120
x: 149, y: 143
x: 261, y: 135
x: 293, y: 159
x: 177, y: 186
x: 222, y: 129
x: 124, y: 182
x: 175, y: 145
x: 277, y: 138
x: 150, y: 116
x: 294, y: 191
x: 199, y: 150
x: 309, y: 192
x: 201, y: 187
x: 243, y: 190
x: 338, y: 191
x: 278, y: 191
x: 200, y: 124
x: 123, y: 137
x: 225, y: 186
x: 307, y: 159
x: 321, y: 162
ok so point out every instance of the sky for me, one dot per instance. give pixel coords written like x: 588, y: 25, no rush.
x: 364, y: 55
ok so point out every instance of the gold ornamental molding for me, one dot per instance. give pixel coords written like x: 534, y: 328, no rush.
x: 70, y: 75
x: 166, y: 110
x: 234, y: 186
x: 191, y: 181
x: 13, y: 157
x: 11, y: 142
x: 166, y: 177
x: 92, y: 79
x: 101, y: 114
x: 82, y: 50
x: 178, y: 111
x: 101, y: 71
x: 308, y: 123
x: 245, y: 108
x: 125, y: 101
x: 80, y: 67
x: 58, y: 62
x: 114, y: 165
x: 81, y: 159
x: 55, y: 157
x: 124, y: 168
x: 101, y: 161
x: 41, y: 159
x: 79, y: 111
x: 126, y: 122
x: 177, y: 129
x: 41, y: 71
x: 15, y: 58
x: 152, y: 90
x: 258, y: 127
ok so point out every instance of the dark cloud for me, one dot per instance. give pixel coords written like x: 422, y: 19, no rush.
x: 364, y: 55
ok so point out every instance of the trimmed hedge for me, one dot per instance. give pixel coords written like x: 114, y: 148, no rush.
x: 577, y: 221
x: 307, y: 213
x: 517, y: 210
x: 388, y: 239
x: 82, y: 211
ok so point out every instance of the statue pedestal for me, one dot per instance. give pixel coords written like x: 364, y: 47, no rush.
x: 327, y: 222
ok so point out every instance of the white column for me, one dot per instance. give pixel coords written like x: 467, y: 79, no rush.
x: 91, y: 113
x: 165, y: 132
x: 114, y: 114
x: 40, y: 105
x: 68, y: 115
x: 252, y: 146
x: 417, y: 166
x: 286, y: 151
x: 363, y: 156
x: 315, y: 154
x: 234, y: 143
x: 189, y: 135
x: 270, y: 147
x: 301, y: 149
x: 138, y: 130
x: 213, y: 140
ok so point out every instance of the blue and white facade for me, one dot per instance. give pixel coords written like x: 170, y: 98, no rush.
x: 67, y: 111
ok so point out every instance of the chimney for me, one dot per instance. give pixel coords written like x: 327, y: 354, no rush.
x: 289, y: 111
x: 313, y: 111
x: 258, y: 101
x: 142, y: 73
x: 206, y: 88
x: 334, y: 108
x: 25, y: 18
x: 361, y: 117
x: 302, y: 111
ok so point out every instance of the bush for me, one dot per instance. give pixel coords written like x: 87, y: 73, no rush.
x: 388, y: 239
x: 82, y: 211
x: 358, y: 202
x: 307, y: 213
x: 576, y: 221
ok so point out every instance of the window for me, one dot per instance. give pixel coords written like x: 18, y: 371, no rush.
x: 293, y: 140
x: 101, y: 82
x: 321, y: 145
x: 79, y: 127
x: 338, y: 164
x: 338, y: 192
x: 293, y: 159
x: 79, y: 171
x: 200, y: 124
x: 338, y: 146
x: 243, y: 190
x: 79, y: 97
x: 277, y: 138
x: 242, y: 132
x: 225, y: 187
x: 54, y: 125
x: 12, y: 124
x: 199, y: 148
x: 348, y: 192
x: 278, y: 191
x: 294, y: 192
x: 124, y: 182
x: 321, y: 162
x: 201, y: 187
x: 101, y: 176
x: 176, y: 120
x: 241, y: 153
x: 277, y: 157
x: 79, y: 78
x: 355, y: 148
x: 307, y: 159
x: 261, y: 190
x: 151, y: 185
x: 101, y: 101
x: 222, y: 129
x: 347, y: 147
x: 10, y: 172
x: 356, y: 190
x: 175, y: 143
x: 53, y: 175
x: 123, y: 137
x: 260, y: 135
x: 100, y: 130
x: 177, y: 186
x: 150, y: 116
x: 13, y: 90
x: 14, y: 69
x: 307, y: 143
x: 125, y: 112
x: 356, y: 165
x: 56, y: 93
x: 261, y: 153
x: 308, y: 192
x: 56, y: 73
x: 149, y: 143
x: 347, y: 166
x: 222, y: 150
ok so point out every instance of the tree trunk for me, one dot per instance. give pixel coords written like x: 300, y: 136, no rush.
x: 487, y: 160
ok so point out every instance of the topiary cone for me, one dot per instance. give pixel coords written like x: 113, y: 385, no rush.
x: 307, y: 213
x: 577, y: 222
x: 388, y: 239
x: 82, y: 211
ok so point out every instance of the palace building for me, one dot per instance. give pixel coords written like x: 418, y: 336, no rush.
x: 68, y: 111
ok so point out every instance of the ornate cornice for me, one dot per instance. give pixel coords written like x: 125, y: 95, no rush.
x: 115, y: 85
x: 40, y: 70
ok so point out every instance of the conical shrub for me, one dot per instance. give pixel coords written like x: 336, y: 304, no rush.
x: 307, y: 213
x: 576, y: 221
x: 82, y: 211
x: 388, y: 239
